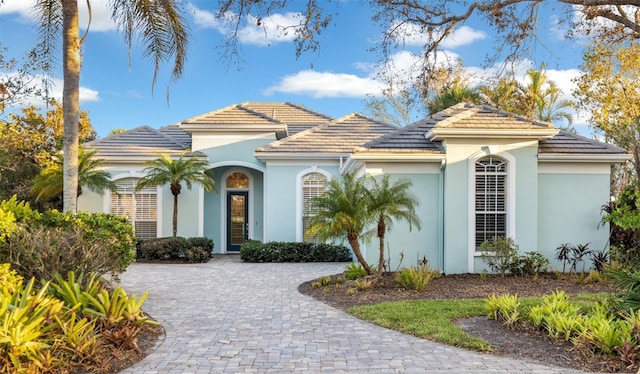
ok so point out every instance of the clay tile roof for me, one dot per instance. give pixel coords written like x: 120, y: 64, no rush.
x: 296, y: 117
x: 409, y: 138
x: 142, y: 141
x: 339, y: 136
x: 568, y: 143
x: 470, y: 116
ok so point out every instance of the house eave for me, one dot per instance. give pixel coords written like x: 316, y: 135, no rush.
x: 215, y: 128
x: 437, y: 134
x: 584, y: 157
x: 399, y: 156
x: 263, y: 156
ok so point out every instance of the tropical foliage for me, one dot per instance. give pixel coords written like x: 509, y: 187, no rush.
x: 388, y: 202
x: 349, y: 208
x: 50, y: 181
x: 187, y: 169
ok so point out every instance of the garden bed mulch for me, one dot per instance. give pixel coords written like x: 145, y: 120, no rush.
x: 520, y: 342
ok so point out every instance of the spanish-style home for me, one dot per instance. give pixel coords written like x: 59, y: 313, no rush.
x: 477, y: 172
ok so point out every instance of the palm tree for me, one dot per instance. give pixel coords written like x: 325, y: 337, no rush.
x: 458, y: 92
x: 388, y: 202
x: 163, y: 32
x: 50, y: 182
x: 542, y: 97
x: 342, y: 211
x: 187, y: 169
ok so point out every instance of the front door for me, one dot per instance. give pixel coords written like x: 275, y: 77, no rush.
x: 237, y: 219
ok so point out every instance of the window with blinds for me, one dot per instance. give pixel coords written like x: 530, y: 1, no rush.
x: 313, y: 185
x: 490, y: 199
x: 140, y: 207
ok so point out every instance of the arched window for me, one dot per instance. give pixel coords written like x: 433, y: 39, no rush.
x: 140, y: 207
x: 490, y: 199
x: 313, y: 185
x: 237, y: 180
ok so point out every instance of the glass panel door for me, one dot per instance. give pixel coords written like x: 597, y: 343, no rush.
x: 237, y: 219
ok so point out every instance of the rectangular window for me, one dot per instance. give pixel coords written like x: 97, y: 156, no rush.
x: 490, y: 199
x: 313, y: 185
x: 140, y: 207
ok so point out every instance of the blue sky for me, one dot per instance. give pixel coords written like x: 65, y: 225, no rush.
x: 335, y: 80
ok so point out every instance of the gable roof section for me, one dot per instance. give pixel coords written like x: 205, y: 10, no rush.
x: 141, y: 143
x: 338, y: 137
x: 466, y: 120
x: 256, y: 116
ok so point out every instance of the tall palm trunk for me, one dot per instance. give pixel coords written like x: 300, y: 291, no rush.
x: 355, y: 246
x: 175, y: 190
x: 382, y: 229
x: 175, y: 215
x: 70, y: 102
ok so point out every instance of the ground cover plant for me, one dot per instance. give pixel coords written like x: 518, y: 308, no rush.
x: 71, y: 324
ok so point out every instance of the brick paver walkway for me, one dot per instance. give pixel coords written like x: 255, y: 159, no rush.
x: 233, y: 317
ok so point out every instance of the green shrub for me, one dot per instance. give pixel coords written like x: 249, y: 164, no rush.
x: 416, y: 277
x: 531, y: 263
x: 500, y: 254
x: 354, y: 271
x: 107, y: 240
x: 255, y: 251
x: 178, y: 248
x: 42, y: 252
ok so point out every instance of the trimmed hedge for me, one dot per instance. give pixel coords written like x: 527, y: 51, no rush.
x: 178, y: 248
x: 256, y: 251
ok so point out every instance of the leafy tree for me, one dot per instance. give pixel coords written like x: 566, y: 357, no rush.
x: 343, y: 211
x: 17, y: 82
x: 162, y: 31
x: 28, y: 142
x: 393, y: 107
x: 389, y: 202
x: 609, y: 89
x: 50, y: 182
x: 187, y: 169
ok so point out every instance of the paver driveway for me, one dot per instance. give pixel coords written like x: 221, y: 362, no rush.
x: 228, y: 316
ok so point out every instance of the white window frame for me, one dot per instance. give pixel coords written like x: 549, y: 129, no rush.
x: 133, y: 219
x: 472, y: 251
x: 300, y: 197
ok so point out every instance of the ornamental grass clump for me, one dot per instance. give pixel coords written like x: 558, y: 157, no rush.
x: 417, y: 277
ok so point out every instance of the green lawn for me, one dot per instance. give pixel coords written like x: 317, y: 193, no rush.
x: 432, y: 319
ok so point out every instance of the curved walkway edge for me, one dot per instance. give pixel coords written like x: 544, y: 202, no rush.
x: 233, y: 317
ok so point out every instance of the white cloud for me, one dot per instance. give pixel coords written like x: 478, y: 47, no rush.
x: 100, y: 14
x: 23, y: 8
x: 413, y: 35
x: 277, y: 28
x: 463, y: 35
x: 325, y: 84
x: 55, y: 91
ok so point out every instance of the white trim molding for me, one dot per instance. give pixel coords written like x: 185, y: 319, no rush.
x: 300, y: 197
x: 471, y: 191
x: 223, y: 204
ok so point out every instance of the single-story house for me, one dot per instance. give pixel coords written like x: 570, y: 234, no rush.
x: 476, y: 171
